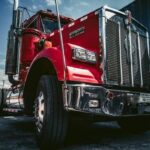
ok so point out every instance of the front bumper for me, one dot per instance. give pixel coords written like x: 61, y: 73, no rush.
x: 97, y: 100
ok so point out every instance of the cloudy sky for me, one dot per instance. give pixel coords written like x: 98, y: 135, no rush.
x: 70, y: 8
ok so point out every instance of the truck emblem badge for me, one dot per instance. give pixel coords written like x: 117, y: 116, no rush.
x: 77, y: 32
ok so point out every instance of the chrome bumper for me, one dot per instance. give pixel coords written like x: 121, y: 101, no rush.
x: 101, y: 101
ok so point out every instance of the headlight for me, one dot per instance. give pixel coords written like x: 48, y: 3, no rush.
x: 91, y: 56
x: 84, y: 55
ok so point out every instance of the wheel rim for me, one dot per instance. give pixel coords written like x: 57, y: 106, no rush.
x: 39, y: 111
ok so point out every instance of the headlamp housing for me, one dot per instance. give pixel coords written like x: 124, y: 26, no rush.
x: 84, y: 55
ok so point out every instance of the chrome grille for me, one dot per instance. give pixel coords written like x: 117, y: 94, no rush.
x: 136, y: 51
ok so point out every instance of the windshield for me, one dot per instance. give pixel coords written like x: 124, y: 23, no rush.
x: 49, y: 25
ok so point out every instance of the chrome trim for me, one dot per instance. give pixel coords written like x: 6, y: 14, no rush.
x: 84, y: 85
x: 39, y: 110
x: 103, y: 22
x: 148, y: 50
x: 147, y: 36
x: 79, y: 95
x: 101, y: 87
x: 122, y: 13
x: 101, y: 56
x: 113, y: 10
x: 16, y: 5
x: 140, y: 59
x: 131, y: 59
x: 65, y: 90
x: 120, y: 55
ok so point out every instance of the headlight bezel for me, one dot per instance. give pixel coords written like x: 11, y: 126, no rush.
x: 84, y: 55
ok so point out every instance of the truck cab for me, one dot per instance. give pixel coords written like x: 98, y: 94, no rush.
x: 36, y: 31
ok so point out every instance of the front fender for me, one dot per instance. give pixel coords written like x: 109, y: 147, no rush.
x: 54, y: 56
x: 76, y: 71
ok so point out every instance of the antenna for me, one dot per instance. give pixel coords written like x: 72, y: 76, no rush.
x: 61, y: 42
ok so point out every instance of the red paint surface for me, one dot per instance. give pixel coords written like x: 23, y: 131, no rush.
x: 28, y: 48
x: 76, y: 70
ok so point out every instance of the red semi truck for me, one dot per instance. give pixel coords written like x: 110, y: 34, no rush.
x: 97, y: 67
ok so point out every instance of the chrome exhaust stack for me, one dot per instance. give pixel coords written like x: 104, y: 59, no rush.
x: 12, y: 56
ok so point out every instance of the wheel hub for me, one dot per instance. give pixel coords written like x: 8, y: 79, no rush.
x: 39, y: 111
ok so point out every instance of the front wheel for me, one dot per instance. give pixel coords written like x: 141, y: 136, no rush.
x: 135, y: 125
x: 1, y: 100
x: 3, y: 95
x: 51, y: 120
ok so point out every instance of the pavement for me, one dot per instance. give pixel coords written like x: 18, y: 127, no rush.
x: 17, y: 133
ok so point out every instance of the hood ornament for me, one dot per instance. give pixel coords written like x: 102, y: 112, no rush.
x: 128, y: 19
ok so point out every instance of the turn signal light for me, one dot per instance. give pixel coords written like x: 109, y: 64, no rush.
x: 47, y: 44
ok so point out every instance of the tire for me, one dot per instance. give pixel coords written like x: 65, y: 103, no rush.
x: 1, y: 101
x: 51, y: 120
x: 3, y: 96
x: 135, y: 125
